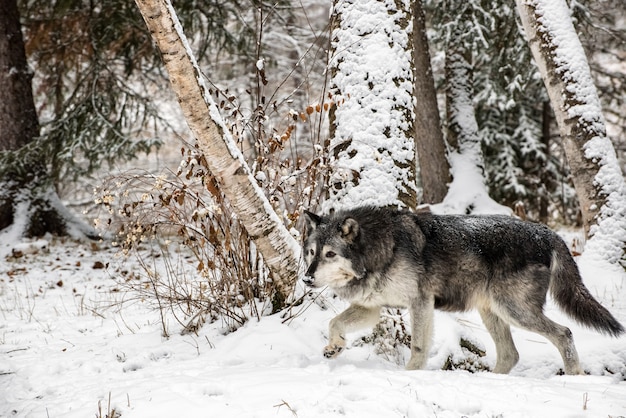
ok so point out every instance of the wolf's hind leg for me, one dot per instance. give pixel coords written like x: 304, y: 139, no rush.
x: 354, y: 318
x: 534, y: 320
x: 422, y: 311
x: 506, y: 353
x: 562, y: 338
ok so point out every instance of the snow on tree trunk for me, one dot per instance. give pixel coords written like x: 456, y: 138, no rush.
x: 280, y: 250
x: 372, y: 127
x: 431, y: 148
x: 467, y: 192
x: 597, y: 177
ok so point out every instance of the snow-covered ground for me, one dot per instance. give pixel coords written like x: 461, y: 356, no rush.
x: 69, y: 348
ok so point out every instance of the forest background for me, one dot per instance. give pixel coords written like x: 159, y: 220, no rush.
x: 322, y: 114
x: 93, y: 145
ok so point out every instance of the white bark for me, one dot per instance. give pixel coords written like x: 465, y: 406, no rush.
x: 280, y: 251
x: 596, y: 174
x: 372, y: 136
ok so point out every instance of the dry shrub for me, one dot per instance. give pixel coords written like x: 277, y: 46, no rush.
x: 391, y: 340
x: 198, y: 261
x: 202, y: 265
x: 472, y: 358
x: 390, y: 337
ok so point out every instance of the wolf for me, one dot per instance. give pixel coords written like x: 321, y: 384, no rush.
x: 502, y: 266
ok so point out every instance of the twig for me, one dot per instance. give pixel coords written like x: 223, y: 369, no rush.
x: 284, y: 403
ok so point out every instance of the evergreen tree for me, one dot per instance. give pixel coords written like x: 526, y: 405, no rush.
x: 33, y: 209
x: 95, y: 75
x: 509, y: 102
x: 467, y: 192
x: 519, y: 162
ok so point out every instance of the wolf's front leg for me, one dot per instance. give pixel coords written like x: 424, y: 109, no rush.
x: 354, y: 318
x: 421, y: 309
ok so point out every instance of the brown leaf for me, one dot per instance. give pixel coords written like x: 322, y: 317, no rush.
x: 98, y: 265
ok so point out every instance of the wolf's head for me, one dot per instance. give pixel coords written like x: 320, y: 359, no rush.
x: 330, y: 251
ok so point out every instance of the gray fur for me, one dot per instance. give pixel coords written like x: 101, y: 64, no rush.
x: 501, y: 266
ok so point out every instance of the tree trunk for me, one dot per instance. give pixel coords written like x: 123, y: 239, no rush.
x: 28, y: 204
x: 546, y: 179
x: 462, y: 126
x: 279, y: 249
x: 18, y: 118
x: 596, y: 174
x: 372, y: 127
x: 468, y: 191
x: 431, y: 149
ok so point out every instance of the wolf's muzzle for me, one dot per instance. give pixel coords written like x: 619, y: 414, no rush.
x: 309, y: 276
x: 308, y: 280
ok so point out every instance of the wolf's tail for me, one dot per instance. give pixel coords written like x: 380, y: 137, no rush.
x: 574, y: 298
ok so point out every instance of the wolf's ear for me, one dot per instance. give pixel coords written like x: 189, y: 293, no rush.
x: 313, y: 220
x: 349, y: 229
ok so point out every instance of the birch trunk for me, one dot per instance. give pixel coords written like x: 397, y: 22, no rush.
x: 280, y: 251
x: 562, y: 63
x: 372, y: 127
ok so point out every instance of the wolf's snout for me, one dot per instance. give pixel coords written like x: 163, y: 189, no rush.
x: 308, y: 280
x: 309, y: 276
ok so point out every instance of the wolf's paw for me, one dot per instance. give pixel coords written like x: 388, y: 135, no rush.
x: 332, y: 351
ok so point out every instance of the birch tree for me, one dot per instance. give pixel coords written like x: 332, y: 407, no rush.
x: 372, y: 128
x: 226, y: 162
x: 597, y: 177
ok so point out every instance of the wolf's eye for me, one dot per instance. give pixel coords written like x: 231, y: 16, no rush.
x: 312, y: 251
x: 330, y: 254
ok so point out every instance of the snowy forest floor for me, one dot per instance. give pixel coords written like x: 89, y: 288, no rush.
x: 74, y: 342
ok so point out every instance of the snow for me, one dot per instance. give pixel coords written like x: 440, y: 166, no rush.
x: 13, y: 233
x: 260, y: 64
x: 76, y: 342
x: 75, y: 227
x: 583, y: 106
x: 467, y: 192
x: 72, y: 337
x: 373, y: 81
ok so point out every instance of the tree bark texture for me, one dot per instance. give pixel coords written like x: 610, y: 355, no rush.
x: 19, y: 123
x: 574, y: 100
x: 28, y: 204
x: 280, y: 251
x: 372, y: 127
x: 429, y: 142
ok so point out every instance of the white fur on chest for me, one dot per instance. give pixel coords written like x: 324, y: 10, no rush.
x: 393, y: 289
